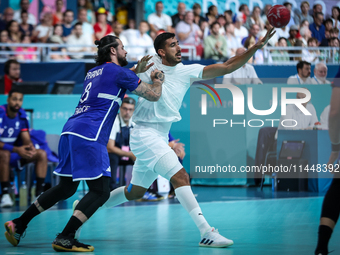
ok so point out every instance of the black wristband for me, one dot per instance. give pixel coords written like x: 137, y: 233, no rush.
x: 335, y: 147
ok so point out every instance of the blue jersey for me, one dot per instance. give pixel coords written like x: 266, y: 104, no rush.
x: 10, y: 128
x: 104, y: 88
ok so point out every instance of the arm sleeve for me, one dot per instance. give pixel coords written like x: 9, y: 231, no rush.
x: 128, y: 79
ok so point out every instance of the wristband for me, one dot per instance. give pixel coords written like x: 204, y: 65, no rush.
x: 335, y: 147
x: 8, y: 147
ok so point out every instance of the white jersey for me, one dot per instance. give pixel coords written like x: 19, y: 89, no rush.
x: 176, y: 83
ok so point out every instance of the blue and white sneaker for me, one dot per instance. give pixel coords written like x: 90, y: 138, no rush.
x: 151, y: 196
x: 213, y: 239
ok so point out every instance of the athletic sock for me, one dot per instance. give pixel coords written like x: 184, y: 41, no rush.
x: 29, y: 214
x: 40, y: 186
x: 325, y: 233
x: 71, y: 227
x: 188, y: 201
x: 5, y: 187
x: 117, y: 197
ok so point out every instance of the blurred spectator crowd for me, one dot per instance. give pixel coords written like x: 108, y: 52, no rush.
x: 213, y: 35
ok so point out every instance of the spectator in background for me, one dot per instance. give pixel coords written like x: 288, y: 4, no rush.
x: 334, y: 32
x: 253, y: 31
x: 24, y: 27
x: 87, y: 27
x: 187, y: 31
x: 142, y: 43
x: 317, y: 28
x: 228, y: 14
x: 78, y: 38
x: 334, y: 56
x: 58, y: 38
x: 222, y: 21
x: 58, y: 14
x: 282, y: 32
x: 298, y: 53
x: 215, y: 45
x: 244, y: 75
x: 293, y: 31
x: 4, y: 39
x: 179, y: 16
x: 280, y: 55
x: 232, y: 43
x: 117, y: 30
x: 159, y: 20
x: 131, y: 31
x: 6, y: 18
x: 320, y: 74
x: 265, y: 12
x: 302, y: 15
x: 288, y: 5
x: 68, y: 18
x: 211, y: 15
x: 336, y: 17
x: 44, y: 30
x: 12, y: 74
x: 240, y: 31
x: 255, y: 18
x: 14, y: 33
x: 316, y: 9
x: 303, y: 74
x: 304, y: 23
x: 87, y: 5
x: 24, y: 6
x: 205, y: 28
x: 272, y: 41
x: 328, y: 23
x: 305, y: 34
x: 244, y: 11
x: 25, y: 49
x: 258, y: 57
x: 101, y: 28
x: 198, y: 18
x: 309, y: 55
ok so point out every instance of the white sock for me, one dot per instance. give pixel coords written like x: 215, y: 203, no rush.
x: 188, y: 201
x: 117, y: 197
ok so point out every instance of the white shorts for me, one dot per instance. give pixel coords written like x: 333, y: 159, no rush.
x: 154, y: 156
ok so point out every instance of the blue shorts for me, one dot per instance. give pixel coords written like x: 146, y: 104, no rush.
x: 15, y: 160
x: 82, y: 159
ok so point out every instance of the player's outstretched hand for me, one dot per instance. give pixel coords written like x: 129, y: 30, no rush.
x: 265, y: 39
x: 142, y: 65
x: 157, y: 75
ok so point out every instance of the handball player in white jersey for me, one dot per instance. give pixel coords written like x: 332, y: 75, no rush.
x: 149, y: 138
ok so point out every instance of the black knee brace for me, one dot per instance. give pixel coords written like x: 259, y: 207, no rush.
x: 99, y: 193
x: 331, y: 202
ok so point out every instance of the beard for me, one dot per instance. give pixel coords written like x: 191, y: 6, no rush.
x: 122, y: 61
x: 13, y: 108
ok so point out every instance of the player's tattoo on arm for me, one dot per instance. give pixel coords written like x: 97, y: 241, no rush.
x: 160, y: 76
x: 151, y: 92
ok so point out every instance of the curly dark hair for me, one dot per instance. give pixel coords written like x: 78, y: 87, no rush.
x: 104, y: 47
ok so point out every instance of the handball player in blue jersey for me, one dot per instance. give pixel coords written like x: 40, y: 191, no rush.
x: 82, y: 146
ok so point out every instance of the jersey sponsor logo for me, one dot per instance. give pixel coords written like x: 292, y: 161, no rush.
x: 81, y: 109
x: 1, y: 131
x: 93, y: 74
x: 108, y: 169
x: 0, y: 120
x: 17, y: 125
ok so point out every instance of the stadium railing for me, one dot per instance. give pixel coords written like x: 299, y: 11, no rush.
x: 46, y: 52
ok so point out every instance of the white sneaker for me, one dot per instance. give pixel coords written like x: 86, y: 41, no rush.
x: 77, y: 235
x: 213, y: 239
x: 6, y: 201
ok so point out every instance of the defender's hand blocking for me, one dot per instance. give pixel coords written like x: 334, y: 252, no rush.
x: 142, y: 65
x: 264, y: 40
x: 157, y: 75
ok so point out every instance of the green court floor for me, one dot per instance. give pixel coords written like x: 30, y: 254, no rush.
x: 283, y: 226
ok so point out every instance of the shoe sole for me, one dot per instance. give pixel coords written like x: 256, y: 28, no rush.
x: 74, y: 249
x: 9, y: 234
x: 217, y: 246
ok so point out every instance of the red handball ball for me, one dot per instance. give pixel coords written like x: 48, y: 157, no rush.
x: 278, y: 16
